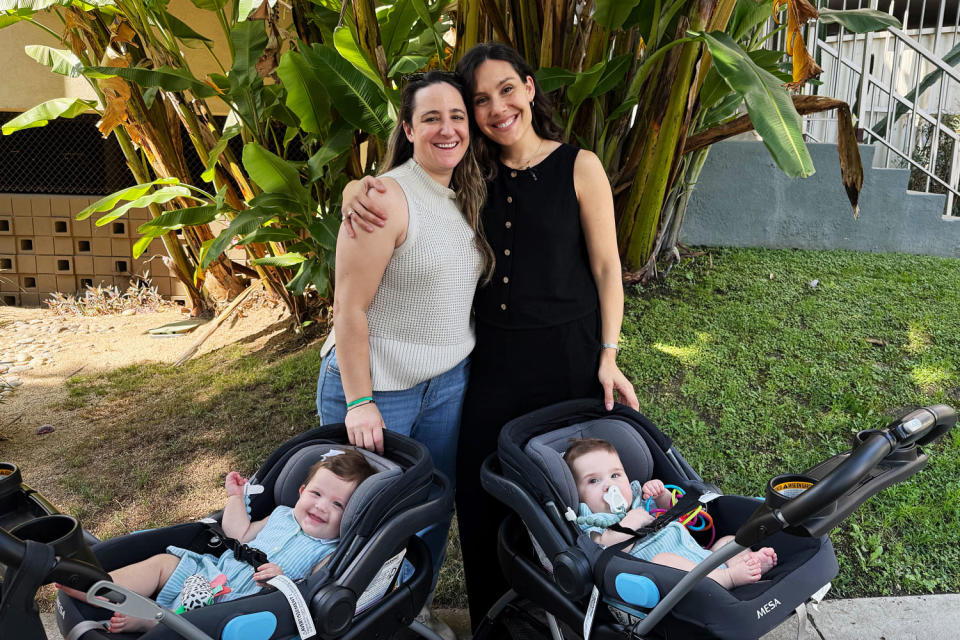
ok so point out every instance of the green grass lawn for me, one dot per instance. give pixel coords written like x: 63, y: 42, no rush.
x: 751, y: 370
x: 754, y: 372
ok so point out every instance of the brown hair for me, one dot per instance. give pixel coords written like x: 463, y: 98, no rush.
x: 467, y: 182
x: 582, y: 446
x: 350, y: 466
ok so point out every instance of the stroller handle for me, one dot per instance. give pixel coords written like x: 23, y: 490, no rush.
x: 921, y: 426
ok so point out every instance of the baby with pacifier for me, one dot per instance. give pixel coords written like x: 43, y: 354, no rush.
x: 290, y: 541
x: 607, y: 497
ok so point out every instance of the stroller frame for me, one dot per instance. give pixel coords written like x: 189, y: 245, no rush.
x: 843, y: 482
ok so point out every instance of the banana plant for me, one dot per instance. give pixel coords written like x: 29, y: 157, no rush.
x: 305, y: 90
x: 635, y: 79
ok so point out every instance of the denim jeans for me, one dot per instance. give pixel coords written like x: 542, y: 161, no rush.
x: 429, y: 413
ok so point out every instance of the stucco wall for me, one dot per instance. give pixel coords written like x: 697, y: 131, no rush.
x: 743, y: 200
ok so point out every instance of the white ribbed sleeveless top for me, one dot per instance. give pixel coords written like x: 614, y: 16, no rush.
x: 419, y: 320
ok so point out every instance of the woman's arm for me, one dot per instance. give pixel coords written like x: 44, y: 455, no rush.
x: 599, y: 229
x: 359, y: 206
x: 361, y: 262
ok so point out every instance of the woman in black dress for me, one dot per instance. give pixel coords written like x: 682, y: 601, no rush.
x: 548, y: 322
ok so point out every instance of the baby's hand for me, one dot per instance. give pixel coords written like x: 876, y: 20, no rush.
x: 234, y: 484
x: 636, y: 518
x: 266, y: 571
x: 653, y: 489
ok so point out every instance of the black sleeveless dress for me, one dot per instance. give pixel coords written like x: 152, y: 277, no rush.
x: 538, y: 340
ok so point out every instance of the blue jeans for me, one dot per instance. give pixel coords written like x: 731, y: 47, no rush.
x: 429, y: 413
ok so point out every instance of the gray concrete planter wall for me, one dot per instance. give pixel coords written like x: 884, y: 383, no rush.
x: 744, y: 200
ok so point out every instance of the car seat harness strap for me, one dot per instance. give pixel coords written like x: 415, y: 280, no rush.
x: 686, y: 503
x: 242, y: 552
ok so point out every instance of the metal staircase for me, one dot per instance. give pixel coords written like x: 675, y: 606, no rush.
x: 903, y: 86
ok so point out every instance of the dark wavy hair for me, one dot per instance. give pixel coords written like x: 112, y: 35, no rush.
x: 488, y: 151
x: 468, y: 180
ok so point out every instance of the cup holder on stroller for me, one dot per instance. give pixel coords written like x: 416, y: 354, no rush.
x: 10, y: 479
x: 784, y: 488
x: 60, y: 531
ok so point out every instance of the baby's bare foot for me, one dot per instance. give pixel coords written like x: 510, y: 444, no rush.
x: 767, y: 558
x: 737, y: 574
x: 120, y: 623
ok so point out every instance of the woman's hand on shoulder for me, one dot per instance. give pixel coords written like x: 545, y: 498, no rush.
x: 359, y: 208
x: 365, y: 427
x: 612, y: 379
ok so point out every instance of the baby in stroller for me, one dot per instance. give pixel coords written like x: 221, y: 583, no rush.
x: 292, y: 541
x: 604, y: 514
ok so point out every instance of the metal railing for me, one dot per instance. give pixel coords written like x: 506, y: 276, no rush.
x: 908, y: 100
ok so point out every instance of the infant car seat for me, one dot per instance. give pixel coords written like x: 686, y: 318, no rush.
x: 559, y: 567
x: 354, y: 595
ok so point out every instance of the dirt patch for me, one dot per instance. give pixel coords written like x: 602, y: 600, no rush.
x: 58, y: 347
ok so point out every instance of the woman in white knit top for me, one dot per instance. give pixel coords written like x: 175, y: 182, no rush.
x: 403, y: 297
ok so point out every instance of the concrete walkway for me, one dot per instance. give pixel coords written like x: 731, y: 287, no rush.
x: 910, y: 618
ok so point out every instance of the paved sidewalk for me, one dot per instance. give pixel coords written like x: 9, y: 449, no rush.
x: 910, y: 618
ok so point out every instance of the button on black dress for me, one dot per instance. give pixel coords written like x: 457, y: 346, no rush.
x: 538, y: 340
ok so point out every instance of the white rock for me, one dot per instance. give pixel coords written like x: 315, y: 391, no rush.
x: 3, y: 369
x: 18, y: 369
x: 14, y: 382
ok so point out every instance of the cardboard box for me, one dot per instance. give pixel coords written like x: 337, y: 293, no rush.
x: 120, y: 228
x: 6, y: 225
x: 103, y: 266
x: 46, y: 264
x: 83, y: 264
x: 61, y: 226
x: 6, y: 205
x: 21, y: 206
x: 122, y: 248
x: 63, y: 265
x: 27, y: 264
x: 28, y: 282
x: 163, y: 286
x: 42, y: 226
x: 26, y: 245
x: 60, y: 206
x: 99, y: 232
x: 8, y: 263
x: 122, y: 266
x: 43, y: 245
x: 40, y: 206
x: 78, y: 204
x: 66, y: 284
x: 9, y: 299
x: 101, y: 247
x: 85, y: 280
x: 8, y: 244
x: 23, y: 226
x: 82, y: 228
x: 9, y: 284
x: 29, y: 300
x: 47, y: 283
x: 83, y: 246
x: 183, y: 301
x: 63, y: 245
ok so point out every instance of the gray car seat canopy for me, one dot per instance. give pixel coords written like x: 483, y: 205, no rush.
x: 287, y: 487
x: 546, y: 451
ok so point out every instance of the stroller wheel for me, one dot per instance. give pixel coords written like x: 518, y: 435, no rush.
x: 519, y: 620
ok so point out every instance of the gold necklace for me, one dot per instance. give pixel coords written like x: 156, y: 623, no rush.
x: 523, y: 166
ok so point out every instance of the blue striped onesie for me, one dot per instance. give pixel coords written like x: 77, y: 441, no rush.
x: 674, y: 538
x: 282, y: 539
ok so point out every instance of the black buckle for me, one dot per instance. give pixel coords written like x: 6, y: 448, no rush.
x: 251, y: 555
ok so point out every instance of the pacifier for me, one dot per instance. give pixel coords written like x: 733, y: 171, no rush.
x: 615, y: 499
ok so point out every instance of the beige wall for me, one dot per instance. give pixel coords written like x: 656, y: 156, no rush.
x: 27, y: 83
